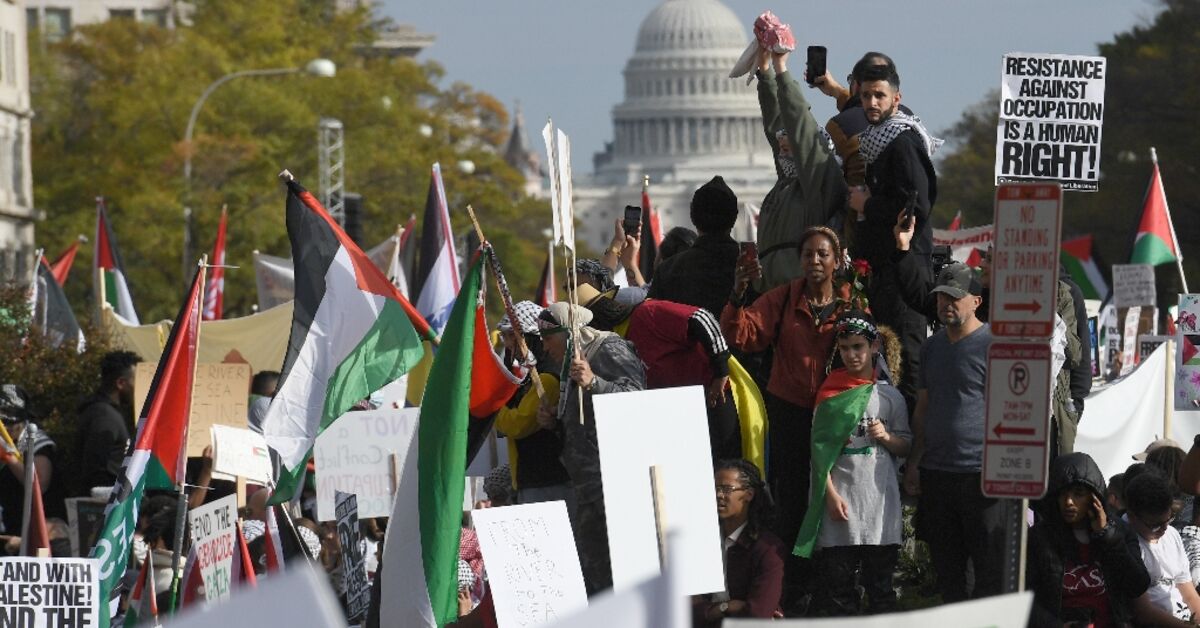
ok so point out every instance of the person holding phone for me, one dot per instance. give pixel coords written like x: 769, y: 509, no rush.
x: 1084, y: 565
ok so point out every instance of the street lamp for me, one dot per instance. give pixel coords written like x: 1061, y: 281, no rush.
x: 323, y: 68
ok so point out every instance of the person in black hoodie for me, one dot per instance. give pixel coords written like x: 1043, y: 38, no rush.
x: 1084, y: 565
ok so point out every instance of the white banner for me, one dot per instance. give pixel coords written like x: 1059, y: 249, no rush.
x: 49, y: 592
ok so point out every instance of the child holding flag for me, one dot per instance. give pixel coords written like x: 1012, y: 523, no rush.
x: 860, y: 430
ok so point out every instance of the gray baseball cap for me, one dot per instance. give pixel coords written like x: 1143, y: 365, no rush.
x: 958, y: 280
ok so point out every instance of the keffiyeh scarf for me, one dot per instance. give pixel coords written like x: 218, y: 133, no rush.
x: 876, y: 138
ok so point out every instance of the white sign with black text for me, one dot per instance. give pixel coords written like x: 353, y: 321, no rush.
x: 1024, y: 270
x: 354, y: 455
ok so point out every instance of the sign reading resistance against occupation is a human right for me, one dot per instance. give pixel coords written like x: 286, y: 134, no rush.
x: 1051, y: 117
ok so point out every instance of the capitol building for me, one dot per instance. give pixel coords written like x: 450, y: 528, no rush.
x: 683, y: 120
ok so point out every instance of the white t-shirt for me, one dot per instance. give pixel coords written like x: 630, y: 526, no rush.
x: 1167, y: 563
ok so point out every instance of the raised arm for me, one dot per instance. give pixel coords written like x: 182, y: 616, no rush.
x: 809, y: 149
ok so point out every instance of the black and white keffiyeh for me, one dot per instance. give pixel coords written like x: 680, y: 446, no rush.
x: 873, y: 141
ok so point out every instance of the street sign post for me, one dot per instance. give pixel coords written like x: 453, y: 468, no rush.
x: 1024, y: 271
x: 1016, y: 452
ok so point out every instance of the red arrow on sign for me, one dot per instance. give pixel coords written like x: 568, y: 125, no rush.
x: 1032, y: 306
x: 1001, y: 430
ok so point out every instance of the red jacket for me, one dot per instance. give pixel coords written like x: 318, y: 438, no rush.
x: 753, y: 574
x: 674, y: 354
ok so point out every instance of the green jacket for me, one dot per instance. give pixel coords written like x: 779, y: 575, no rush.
x: 813, y: 197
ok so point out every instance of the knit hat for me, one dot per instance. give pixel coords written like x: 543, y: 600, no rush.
x: 714, y: 207
x: 498, y: 484
x: 527, y: 315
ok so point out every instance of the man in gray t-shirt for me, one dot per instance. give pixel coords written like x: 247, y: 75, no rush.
x: 953, y: 516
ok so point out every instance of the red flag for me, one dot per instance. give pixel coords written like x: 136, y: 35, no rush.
x: 547, y: 292
x: 61, y: 266
x: 245, y: 565
x: 492, y: 385
x: 38, y: 535
x: 651, y: 235
x: 214, y: 294
x: 955, y: 224
x: 1155, y: 242
x: 272, y: 542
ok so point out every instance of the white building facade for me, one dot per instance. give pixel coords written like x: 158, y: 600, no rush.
x: 16, y: 181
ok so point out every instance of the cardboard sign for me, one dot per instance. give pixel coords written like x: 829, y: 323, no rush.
x: 1025, y: 262
x: 85, y: 518
x: 1001, y: 611
x: 631, y: 429
x: 1016, y: 452
x: 214, y: 530
x: 1147, y: 344
x: 1133, y: 284
x: 241, y: 453
x: 1051, y: 118
x: 1133, y: 317
x: 49, y: 592
x: 533, y: 567
x: 220, y: 396
x: 355, y: 456
x: 297, y: 596
x: 354, y: 566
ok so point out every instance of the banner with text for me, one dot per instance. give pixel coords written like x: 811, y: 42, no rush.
x: 214, y: 530
x: 1051, y: 117
x: 49, y: 592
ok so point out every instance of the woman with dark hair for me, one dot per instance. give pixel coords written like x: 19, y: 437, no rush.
x: 797, y: 321
x: 1084, y: 567
x: 753, y: 556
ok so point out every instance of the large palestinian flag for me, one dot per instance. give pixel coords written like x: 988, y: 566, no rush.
x: 352, y: 334
x: 157, y: 460
x: 110, y: 284
x: 1155, y: 242
x: 420, y: 570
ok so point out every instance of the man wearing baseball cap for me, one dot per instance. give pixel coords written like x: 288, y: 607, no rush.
x: 943, y: 470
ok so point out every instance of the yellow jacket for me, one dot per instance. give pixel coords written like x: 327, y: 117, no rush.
x: 521, y: 421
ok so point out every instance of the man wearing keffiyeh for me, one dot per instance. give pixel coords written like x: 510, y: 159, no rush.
x: 900, y: 177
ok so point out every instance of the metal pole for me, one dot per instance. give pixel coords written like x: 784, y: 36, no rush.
x: 30, y: 469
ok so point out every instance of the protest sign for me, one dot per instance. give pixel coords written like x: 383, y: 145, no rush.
x: 1147, y: 343
x: 631, y: 429
x: 241, y: 453
x: 354, y: 567
x: 1133, y: 316
x: 298, y: 596
x: 354, y: 455
x: 1051, y: 116
x: 50, y: 592
x: 220, y: 396
x: 1002, y: 611
x: 1133, y: 284
x: 214, y: 530
x: 533, y: 567
x: 1187, y: 353
x: 85, y: 517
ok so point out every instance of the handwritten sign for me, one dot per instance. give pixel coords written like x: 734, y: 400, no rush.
x: 354, y: 566
x: 355, y: 456
x: 1133, y: 284
x: 1051, y: 118
x: 49, y: 592
x: 214, y: 533
x: 220, y: 396
x: 533, y: 567
x: 241, y: 453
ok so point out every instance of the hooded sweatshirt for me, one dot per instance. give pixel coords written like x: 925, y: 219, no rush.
x: 1108, y: 568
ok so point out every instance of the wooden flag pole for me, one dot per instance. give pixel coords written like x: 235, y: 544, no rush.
x: 660, y: 513
x: 506, y: 297
x: 1170, y: 223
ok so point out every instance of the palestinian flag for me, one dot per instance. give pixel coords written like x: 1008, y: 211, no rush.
x: 352, y: 334
x: 271, y: 540
x: 61, y: 266
x: 143, y: 604
x: 52, y: 313
x: 840, y: 404
x: 37, y: 536
x: 110, y: 285
x: 420, y: 571
x: 436, y: 284
x: 214, y: 295
x: 1077, y: 257
x: 1155, y: 242
x: 157, y: 460
x: 956, y: 223
x: 651, y: 235
x: 547, y: 292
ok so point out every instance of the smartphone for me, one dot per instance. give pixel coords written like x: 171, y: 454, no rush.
x: 748, y: 252
x: 816, y: 63
x: 633, y: 219
x: 910, y: 206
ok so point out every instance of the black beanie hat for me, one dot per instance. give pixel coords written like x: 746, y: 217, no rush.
x: 714, y: 207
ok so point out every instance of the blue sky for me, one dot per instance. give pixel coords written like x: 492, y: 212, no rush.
x: 564, y: 57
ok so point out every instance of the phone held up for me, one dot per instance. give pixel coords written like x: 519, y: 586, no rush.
x: 816, y: 63
x: 633, y: 219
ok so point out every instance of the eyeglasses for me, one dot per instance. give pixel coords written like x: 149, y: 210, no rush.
x: 725, y: 489
x: 1157, y: 528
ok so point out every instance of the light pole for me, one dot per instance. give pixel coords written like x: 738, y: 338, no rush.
x: 317, y: 67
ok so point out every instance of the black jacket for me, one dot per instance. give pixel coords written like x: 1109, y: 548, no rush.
x: 903, y: 166
x: 701, y: 276
x: 103, y: 438
x: 1051, y: 543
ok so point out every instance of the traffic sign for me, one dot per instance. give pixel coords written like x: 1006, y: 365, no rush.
x: 1016, y: 450
x: 1024, y: 270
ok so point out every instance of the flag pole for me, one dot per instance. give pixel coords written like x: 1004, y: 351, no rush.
x: 506, y: 297
x: 181, y: 502
x: 1170, y: 223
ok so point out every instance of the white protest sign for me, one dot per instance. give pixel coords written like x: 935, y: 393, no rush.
x: 354, y: 455
x: 533, y: 567
x: 558, y: 160
x: 354, y: 569
x: 1133, y: 284
x: 214, y: 535
x: 631, y: 429
x: 1015, y: 452
x: 297, y: 596
x: 1051, y: 118
x: 49, y: 592
x: 241, y: 453
x: 1025, y: 262
x: 1001, y: 611
x: 1129, y: 339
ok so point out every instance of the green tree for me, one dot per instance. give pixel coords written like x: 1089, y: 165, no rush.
x: 113, y: 101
